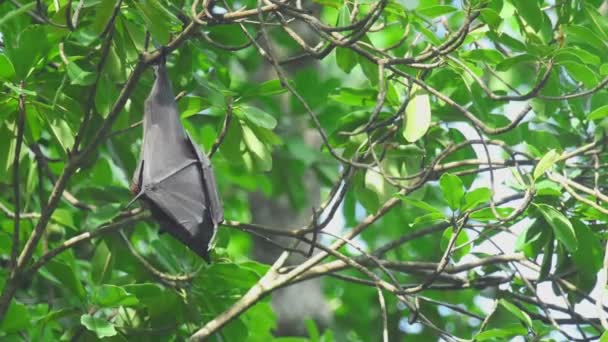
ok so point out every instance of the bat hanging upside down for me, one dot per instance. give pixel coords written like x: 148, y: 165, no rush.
x: 174, y: 179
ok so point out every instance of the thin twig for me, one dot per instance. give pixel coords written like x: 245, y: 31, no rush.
x: 16, y: 180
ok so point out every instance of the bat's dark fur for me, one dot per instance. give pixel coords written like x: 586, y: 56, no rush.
x: 174, y: 179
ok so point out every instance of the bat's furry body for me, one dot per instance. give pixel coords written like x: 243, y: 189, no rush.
x: 174, y: 178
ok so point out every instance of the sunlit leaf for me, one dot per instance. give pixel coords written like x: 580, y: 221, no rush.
x: 417, y: 115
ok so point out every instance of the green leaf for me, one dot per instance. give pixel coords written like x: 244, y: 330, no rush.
x: 491, y: 17
x: 105, y: 95
x: 16, y: 319
x: 62, y: 132
x: 160, y: 302
x: 268, y: 88
x: 78, y: 76
x: 258, y: 149
x: 66, y: 277
x: 260, y: 321
x: 428, y: 219
x: 461, y: 246
x: 476, y: 197
x: 581, y: 73
x: 486, y: 214
x: 256, y: 116
x: 581, y: 34
x: 16, y: 12
x: 417, y: 115
x: 26, y: 52
x: 548, y: 254
x: 20, y: 91
x: 7, y: 71
x: 604, y: 337
x: 375, y: 182
x: 588, y: 259
x: 370, y: 70
x: 508, y: 63
x: 157, y: 18
x: 436, y: 11
x: 427, y: 33
x: 598, y: 113
x: 501, y: 334
x: 102, y: 263
x: 64, y: 217
x: 101, y: 327
x: 530, y: 11
x: 453, y: 190
x: 562, y: 228
x: 546, y: 163
x: 313, y: 331
x: 109, y: 296
x: 420, y: 204
x: 484, y: 55
x: 345, y: 57
x: 354, y: 97
x: 103, y: 12
x: 102, y: 214
x: 576, y: 54
x: 517, y: 312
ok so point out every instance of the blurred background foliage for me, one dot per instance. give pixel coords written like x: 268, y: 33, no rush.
x: 63, y: 59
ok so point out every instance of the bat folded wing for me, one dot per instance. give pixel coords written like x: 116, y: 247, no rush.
x: 210, y: 186
x: 182, y: 201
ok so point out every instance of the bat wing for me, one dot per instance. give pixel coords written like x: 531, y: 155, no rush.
x: 180, y: 198
x: 210, y: 186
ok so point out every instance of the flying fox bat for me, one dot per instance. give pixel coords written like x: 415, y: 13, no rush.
x: 173, y: 178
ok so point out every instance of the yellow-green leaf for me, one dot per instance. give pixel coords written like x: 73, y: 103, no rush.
x: 417, y: 115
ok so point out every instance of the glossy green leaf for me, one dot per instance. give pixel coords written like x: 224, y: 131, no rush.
x: 453, y: 190
x: 598, y: 113
x: 16, y: 12
x: 259, y: 150
x: 102, y: 263
x: 583, y: 35
x: 66, y: 275
x: 419, y: 204
x: 476, y: 197
x: 581, y: 73
x: 491, y: 17
x: 417, y: 115
x: 79, y: 76
x: 256, y: 116
x: 546, y: 163
x: 524, y: 317
x: 530, y: 11
x: 436, y: 11
x: 101, y: 327
x: 109, y: 296
x: 501, y: 334
x: 461, y: 245
x: 562, y: 228
x: 375, y: 182
x: 345, y: 58
x: 7, y: 71
x: 16, y: 319
x: 157, y: 18
x: 64, y: 217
